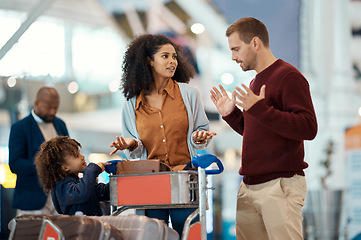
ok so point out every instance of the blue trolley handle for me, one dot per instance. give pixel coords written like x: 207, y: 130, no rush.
x: 205, y: 160
x: 112, y: 169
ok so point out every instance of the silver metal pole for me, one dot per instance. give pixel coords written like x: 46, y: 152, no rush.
x: 188, y: 224
x: 202, y: 201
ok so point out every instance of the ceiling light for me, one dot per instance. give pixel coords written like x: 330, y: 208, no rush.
x: 114, y: 85
x: 11, y: 82
x: 227, y: 78
x: 197, y: 28
x: 73, y: 87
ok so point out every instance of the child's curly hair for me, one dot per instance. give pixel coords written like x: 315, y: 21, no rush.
x: 51, y: 158
x: 137, y: 73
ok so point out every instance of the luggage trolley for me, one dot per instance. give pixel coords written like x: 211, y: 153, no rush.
x: 174, y: 189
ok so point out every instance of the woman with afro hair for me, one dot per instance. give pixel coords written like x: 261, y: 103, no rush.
x: 163, y: 116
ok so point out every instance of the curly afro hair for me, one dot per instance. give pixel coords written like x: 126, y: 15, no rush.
x: 51, y: 158
x: 137, y: 73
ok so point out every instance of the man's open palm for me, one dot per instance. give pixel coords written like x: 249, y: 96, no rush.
x: 223, y: 103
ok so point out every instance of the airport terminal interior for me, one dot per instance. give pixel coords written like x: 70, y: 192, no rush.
x: 77, y: 46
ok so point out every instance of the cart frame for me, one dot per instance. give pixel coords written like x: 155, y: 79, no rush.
x: 176, y: 188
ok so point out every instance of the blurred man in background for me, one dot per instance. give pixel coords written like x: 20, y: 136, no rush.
x: 26, y: 136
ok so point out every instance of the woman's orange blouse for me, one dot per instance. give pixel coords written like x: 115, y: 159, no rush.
x: 163, y: 132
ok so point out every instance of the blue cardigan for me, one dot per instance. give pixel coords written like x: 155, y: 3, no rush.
x: 74, y: 194
x: 24, y: 142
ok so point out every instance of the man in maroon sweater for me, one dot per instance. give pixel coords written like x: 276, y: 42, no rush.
x: 277, y: 117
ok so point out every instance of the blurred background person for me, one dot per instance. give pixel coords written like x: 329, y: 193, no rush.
x: 26, y: 136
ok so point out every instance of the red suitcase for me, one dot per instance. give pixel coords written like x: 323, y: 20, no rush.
x: 29, y: 227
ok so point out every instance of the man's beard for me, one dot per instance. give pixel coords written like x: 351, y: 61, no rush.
x: 48, y: 119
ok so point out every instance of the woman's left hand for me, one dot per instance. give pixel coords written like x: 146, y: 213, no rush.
x: 200, y: 137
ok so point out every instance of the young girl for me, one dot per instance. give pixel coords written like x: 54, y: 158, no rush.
x: 58, y: 164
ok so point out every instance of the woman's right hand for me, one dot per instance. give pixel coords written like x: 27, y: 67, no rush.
x: 122, y: 143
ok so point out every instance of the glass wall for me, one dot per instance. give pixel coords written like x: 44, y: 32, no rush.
x: 62, y: 51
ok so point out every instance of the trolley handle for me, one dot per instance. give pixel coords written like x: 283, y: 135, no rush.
x: 205, y: 160
x: 112, y: 169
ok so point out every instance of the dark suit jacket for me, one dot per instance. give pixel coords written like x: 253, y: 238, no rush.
x: 24, y: 142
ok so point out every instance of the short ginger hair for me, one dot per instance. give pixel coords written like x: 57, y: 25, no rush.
x: 248, y: 28
x: 51, y: 158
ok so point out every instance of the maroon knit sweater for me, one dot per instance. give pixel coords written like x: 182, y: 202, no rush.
x: 274, y: 128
